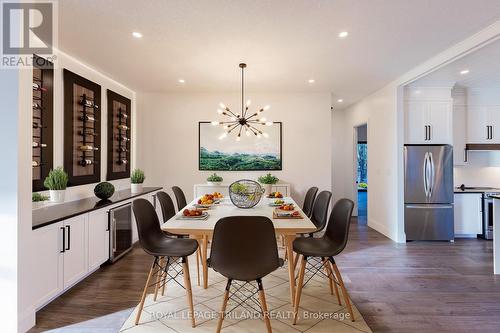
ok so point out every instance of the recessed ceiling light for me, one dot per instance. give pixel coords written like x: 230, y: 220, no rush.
x: 311, y: 81
x: 343, y: 34
x: 465, y: 71
x: 340, y: 100
x: 182, y: 81
x: 137, y: 34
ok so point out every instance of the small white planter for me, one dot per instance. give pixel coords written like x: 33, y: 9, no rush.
x: 214, y: 183
x: 268, y: 188
x: 136, y: 188
x: 57, y: 196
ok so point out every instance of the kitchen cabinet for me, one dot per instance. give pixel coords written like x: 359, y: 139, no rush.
x: 468, y: 214
x: 98, y: 249
x: 483, y: 124
x: 429, y: 122
x: 48, y: 262
x: 75, y: 249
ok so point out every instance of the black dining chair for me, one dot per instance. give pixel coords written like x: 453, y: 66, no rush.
x: 168, y: 211
x: 167, y: 252
x: 244, y: 249
x: 321, y: 253
x: 307, y: 208
x: 179, y: 197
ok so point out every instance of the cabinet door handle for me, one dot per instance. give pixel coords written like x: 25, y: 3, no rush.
x: 69, y: 237
x: 491, y: 132
x: 63, y: 240
x: 425, y: 129
x: 430, y: 132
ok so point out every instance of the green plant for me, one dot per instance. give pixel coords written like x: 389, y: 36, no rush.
x: 214, y: 178
x: 36, y: 197
x: 238, y: 188
x: 268, y: 179
x: 57, y: 179
x: 137, y: 176
x: 104, y: 190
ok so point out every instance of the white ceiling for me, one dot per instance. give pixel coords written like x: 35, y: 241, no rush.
x: 284, y: 42
x: 483, y: 66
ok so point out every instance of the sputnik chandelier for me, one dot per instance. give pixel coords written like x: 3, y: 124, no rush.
x: 244, y: 121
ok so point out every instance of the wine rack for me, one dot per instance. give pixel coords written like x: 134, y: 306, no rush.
x: 43, y: 117
x: 82, y: 129
x: 119, y: 136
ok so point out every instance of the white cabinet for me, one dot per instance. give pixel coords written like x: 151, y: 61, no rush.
x: 98, y: 249
x: 429, y: 122
x: 483, y: 124
x: 468, y: 214
x: 75, y: 250
x: 48, y: 262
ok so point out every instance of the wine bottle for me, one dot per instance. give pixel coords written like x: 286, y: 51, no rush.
x: 122, y: 150
x: 38, y: 87
x: 122, y: 115
x: 35, y: 164
x: 39, y: 145
x: 122, y: 127
x: 122, y: 162
x: 89, y: 104
x: 85, y: 162
x: 87, y: 118
x: 87, y: 132
x: 37, y: 125
x: 37, y: 106
x: 122, y: 138
x: 87, y: 148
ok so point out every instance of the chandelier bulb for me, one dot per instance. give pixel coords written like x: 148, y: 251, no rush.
x: 265, y: 135
x: 222, y: 105
x: 269, y: 123
x: 258, y: 136
x: 219, y: 111
x: 214, y: 123
x: 248, y: 103
x: 266, y: 107
x: 262, y: 120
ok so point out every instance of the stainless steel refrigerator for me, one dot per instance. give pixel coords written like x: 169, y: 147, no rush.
x: 428, y: 192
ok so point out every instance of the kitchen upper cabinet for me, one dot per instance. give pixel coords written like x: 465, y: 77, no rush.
x: 429, y: 122
x: 48, y: 249
x: 75, y: 249
x: 98, y: 249
x: 468, y: 214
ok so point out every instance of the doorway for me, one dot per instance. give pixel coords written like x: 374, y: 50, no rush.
x: 361, y: 167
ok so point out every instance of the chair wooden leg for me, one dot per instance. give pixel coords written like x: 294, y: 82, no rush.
x: 141, y: 304
x: 344, y: 290
x: 198, y: 255
x: 298, y: 292
x: 159, y: 275
x: 189, y: 292
x: 263, y: 305
x: 165, y: 276
x: 224, y: 305
x: 329, y: 273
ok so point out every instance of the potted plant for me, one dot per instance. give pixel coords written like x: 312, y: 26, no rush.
x: 268, y: 181
x: 214, y: 179
x: 56, y: 182
x: 136, y: 178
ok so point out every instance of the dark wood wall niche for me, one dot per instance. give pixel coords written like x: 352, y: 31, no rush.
x: 82, y: 129
x: 43, y: 120
x: 119, y: 135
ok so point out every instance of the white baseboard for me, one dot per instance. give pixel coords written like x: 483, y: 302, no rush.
x: 382, y: 228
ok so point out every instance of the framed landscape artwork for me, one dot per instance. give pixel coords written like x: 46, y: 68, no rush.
x: 248, y: 154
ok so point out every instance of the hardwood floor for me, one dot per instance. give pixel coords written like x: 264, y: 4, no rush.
x: 413, y: 287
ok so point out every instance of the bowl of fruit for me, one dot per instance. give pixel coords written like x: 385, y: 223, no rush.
x: 206, y: 201
x: 194, y: 213
x: 277, y: 203
x: 275, y: 195
x: 217, y: 197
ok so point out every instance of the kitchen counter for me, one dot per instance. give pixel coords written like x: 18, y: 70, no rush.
x: 54, y: 213
x: 496, y: 234
x: 458, y: 191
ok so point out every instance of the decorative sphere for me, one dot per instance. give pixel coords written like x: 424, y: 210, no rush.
x: 104, y: 190
x: 245, y: 193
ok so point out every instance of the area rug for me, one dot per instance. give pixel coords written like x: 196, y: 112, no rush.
x: 319, y: 310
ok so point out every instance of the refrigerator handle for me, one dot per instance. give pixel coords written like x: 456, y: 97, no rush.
x: 432, y: 174
x: 425, y: 174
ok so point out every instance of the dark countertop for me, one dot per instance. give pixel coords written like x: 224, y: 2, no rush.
x: 469, y: 191
x: 495, y: 196
x: 54, y: 213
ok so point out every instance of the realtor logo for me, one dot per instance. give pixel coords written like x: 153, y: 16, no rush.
x: 27, y: 28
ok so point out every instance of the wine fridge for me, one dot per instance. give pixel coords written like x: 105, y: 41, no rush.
x: 120, y: 226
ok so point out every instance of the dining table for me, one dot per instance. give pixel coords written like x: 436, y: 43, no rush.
x: 202, y: 229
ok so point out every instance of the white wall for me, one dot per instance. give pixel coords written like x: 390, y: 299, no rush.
x: 378, y: 111
x: 168, y: 137
x: 27, y: 277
